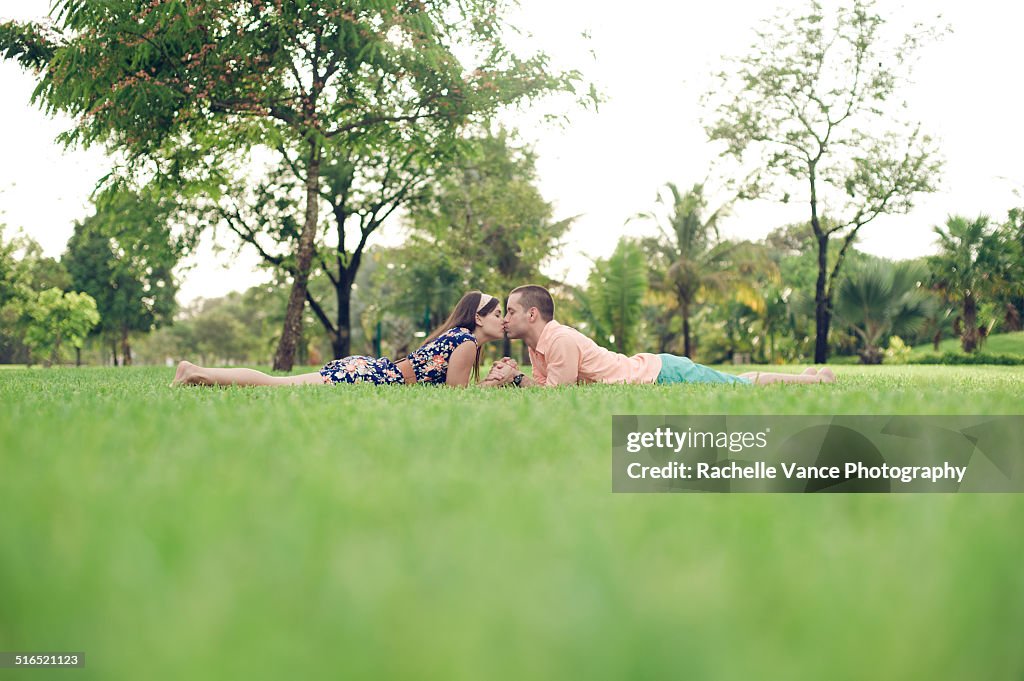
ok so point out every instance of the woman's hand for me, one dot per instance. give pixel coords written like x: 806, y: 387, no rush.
x: 501, y: 373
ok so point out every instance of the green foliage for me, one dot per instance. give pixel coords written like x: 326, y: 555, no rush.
x: 238, y: 328
x: 1010, y: 292
x: 897, y: 351
x: 223, y: 73
x: 615, y: 288
x: 691, y: 263
x: 360, y: 102
x: 54, y: 318
x: 809, y: 111
x: 883, y: 298
x: 123, y: 256
x: 969, y: 268
x: 24, y: 273
x: 482, y: 225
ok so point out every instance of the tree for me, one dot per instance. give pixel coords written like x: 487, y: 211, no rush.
x: 615, y: 289
x: 812, y: 105
x: 123, y: 256
x: 483, y: 225
x: 882, y: 299
x: 357, y: 100
x: 1011, y: 295
x: 967, y: 269
x: 55, y: 317
x: 691, y: 260
x: 24, y: 273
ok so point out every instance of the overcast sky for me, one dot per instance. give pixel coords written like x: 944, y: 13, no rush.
x: 653, y: 61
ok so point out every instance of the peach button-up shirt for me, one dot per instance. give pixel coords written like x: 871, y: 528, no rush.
x: 564, y: 355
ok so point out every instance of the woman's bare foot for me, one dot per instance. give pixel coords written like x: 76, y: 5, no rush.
x: 826, y: 375
x: 183, y: 376
x: 810, y: 371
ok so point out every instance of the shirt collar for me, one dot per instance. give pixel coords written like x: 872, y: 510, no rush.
x: 545, y: 336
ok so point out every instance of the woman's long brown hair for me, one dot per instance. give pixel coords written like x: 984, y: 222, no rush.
x: 464, y: 315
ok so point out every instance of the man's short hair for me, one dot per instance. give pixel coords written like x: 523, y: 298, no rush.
x: 532, y: 295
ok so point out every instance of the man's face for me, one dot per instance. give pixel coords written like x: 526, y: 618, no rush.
x: 516, y: 318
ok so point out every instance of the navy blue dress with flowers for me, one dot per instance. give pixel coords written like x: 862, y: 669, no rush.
x: 429, y: 363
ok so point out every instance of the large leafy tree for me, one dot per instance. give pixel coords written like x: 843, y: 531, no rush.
x: 482, y: 225
x: 24, y: 273
x: 812, y: 112
x: 123, y: 256
x: 54, y: 318
x: 690, y: 259
x: 356, y: 101
x: 968, y: 268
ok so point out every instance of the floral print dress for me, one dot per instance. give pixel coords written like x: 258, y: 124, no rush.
x: 429, y: 363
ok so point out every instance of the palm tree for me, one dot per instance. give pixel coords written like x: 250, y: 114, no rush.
x: 612, y: 301
x: 697, y: 263
x: 880, y: 299
x: 967, y: 269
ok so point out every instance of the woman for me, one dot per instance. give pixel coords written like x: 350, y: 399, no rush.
x: 448, y: 356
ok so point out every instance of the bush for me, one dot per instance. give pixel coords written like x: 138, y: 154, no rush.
x: 973, y: 358
x: 898, y: 352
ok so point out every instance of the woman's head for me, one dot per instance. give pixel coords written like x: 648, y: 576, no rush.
x: 478, y: 312
x: 481, y: 314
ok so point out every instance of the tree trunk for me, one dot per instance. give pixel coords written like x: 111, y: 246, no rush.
x: 342, y: 341
x: 821, y: 302
x: 687, y: 342
x: 1012, y: 321
x: 969, y: 338
x: 937, y: 339
x: 78, y: 357
x: 822, y: 318
x: 284, y: 358
x: 113, y: 350
x: 126, y: 350
x: 55, y: 355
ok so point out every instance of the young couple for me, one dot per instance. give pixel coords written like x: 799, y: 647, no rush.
x: 559, y: 355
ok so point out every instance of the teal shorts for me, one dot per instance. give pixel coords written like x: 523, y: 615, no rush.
x: 676, y: 369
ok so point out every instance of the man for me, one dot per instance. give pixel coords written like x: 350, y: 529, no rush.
x: 562, y: 355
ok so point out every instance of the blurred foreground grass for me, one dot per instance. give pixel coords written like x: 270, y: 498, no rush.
x: 354, y: 531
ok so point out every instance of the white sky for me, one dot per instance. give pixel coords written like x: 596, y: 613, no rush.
x: 654, y: 59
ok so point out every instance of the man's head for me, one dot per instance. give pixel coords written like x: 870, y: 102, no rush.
x: 529, y: 308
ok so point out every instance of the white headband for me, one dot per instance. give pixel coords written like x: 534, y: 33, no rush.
x: 484, y: 299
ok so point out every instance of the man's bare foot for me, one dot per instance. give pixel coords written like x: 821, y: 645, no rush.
x: 826, y: 375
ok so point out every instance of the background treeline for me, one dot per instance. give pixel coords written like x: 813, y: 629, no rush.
x: 684, y: 290
x: 302, y: 135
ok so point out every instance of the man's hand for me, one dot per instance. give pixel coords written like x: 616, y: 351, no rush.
x: 501, y: 373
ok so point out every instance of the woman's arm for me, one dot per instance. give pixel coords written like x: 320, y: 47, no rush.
x: 460, y: 365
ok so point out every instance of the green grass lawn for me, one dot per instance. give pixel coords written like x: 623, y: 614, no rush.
x: 361, y: 532
x: 996, y: 344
